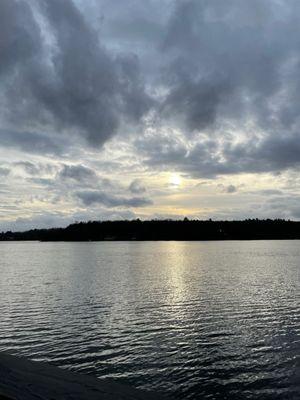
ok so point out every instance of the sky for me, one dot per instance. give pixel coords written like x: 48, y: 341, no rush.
x: 113, y: 109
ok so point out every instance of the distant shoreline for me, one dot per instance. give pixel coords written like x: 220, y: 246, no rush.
x: 163, y: 230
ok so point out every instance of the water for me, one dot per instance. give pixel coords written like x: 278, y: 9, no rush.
x: 197, y: 320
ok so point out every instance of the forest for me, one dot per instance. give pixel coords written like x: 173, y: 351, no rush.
x: 186, y: 229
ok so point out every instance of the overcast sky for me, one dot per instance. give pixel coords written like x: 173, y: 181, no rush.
x: 115, y: 109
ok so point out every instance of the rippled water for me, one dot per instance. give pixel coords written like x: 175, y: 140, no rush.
x: 198, y: 320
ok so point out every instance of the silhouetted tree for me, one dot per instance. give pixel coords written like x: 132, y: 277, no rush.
x: 164, y: 230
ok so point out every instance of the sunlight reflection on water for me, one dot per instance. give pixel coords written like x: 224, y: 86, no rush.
x: 211, y: 320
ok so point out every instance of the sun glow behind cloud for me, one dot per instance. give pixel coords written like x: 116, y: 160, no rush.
x: 175, y: 180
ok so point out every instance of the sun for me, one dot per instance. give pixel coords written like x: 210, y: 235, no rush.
x: 175, y: 180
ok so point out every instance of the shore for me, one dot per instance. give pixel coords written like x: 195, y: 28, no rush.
x: 163, y: 230
x: 21, y: 379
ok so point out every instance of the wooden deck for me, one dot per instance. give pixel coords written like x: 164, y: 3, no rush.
x: 21, y: 379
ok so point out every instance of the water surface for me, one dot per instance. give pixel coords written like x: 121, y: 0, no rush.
x: 198, y: 320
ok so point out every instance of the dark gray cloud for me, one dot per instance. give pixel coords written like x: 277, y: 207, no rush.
x: 137, y: 187
x: 42, y: 181
x: 231, y: 74
x: 231, y: 189
x: 78, y: 173
x: 60, y: 78
x: 214, y: 68
x: 79, y: 176
x: 4, y: 171
x: 211, y: 157
x: 20, y: 35
x: 269, y: 154
x: 285, y: 206
x: 92, y: 197
x: 33, y: 142
x: 228, y: 59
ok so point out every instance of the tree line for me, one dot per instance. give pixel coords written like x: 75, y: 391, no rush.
x: 186, y: 229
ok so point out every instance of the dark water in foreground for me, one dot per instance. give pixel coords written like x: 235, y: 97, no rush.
x: 198, y: 320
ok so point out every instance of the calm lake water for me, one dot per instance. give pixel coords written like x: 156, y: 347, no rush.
x: 197, y: 320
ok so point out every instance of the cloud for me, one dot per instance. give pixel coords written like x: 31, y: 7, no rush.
x: 216, y: 70
x: 33, y: 142
x: 20, y: 35
x: 42, y: 181
x: 269, y: 192
x: 231, y: 189
x: 136, y: 187
x: 210, y: 157
x: 60, y: 219
x: 285, y: 206
x: 4, y: 171
x: 231, y: 78
x: 75, y: 176
x: 35, y: 168
x: 91, y: 197
x: 227, y: 60
x: 29, y: 167
x: 79, y: 173
x: 60, y: 78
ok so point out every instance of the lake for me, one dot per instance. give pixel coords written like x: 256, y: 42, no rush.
x: 196, y: 320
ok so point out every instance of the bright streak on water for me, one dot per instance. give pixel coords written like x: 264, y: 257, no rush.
x: 198, y: 320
